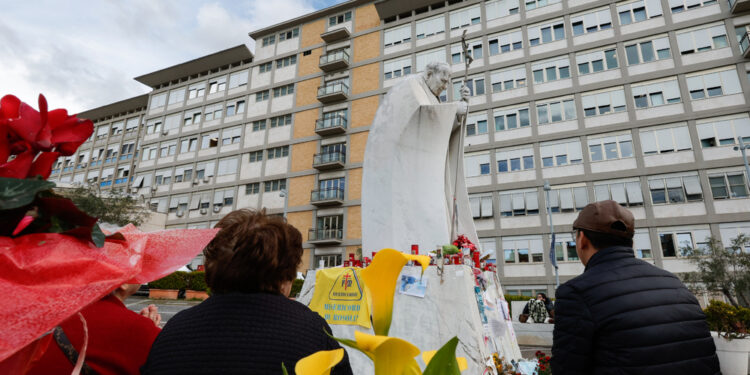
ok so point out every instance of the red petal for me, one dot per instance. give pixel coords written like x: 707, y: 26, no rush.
x: 29, y: 123
x: 58, y: 117
x: 4, y: 144
x: 72, y: 130
x: 18, y: 167
x: 9, y: 106
x: 42, y: 166
x: 43, y: 109
x: 67, y: 149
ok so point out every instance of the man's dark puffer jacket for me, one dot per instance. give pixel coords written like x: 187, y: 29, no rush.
x: 626, y: 316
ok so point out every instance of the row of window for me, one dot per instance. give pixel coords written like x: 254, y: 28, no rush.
x: 590, y: 21
x: 280, y: 63
x: 663, y: 139
x: 199, y: 89
x: 284, y: 35
x: 663, y: 190
x: 672, y: 241
x: 129, y: 126
x: 701, y: 85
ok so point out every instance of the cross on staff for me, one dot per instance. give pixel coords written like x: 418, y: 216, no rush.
x: 467, y: 61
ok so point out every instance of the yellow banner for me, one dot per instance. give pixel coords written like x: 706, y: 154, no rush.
x: 340, y: 297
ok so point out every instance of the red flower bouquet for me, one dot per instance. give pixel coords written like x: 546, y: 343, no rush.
x: 463, y: 243
x: 54, y: 258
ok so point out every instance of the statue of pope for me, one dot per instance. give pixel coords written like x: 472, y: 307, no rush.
x: 413, y: 161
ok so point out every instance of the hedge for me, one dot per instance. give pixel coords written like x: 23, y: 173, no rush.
x: 197, y: 281
x: 175, y: 280
x: 296, y: 288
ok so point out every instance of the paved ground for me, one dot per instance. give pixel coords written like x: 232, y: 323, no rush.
x: 167, y: 308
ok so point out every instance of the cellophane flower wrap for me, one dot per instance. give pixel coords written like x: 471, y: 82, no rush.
x: 54, y: 259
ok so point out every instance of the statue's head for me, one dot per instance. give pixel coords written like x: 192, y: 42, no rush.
x: 437, y: 75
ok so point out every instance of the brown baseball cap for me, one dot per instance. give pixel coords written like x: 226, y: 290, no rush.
x: 606, y: 217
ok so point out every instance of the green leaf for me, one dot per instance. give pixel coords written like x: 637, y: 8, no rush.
x: 97, y: 236
x: 444, y: 362
x: 283, y: 369
x: 16, y: 192
x: 450, y: 249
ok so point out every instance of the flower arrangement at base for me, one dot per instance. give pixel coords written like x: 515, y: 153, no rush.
x: 390, y: 355
x: 543, y: 365
x: 54, y: 258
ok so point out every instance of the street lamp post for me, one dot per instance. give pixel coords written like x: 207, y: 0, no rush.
x: 283, y: 193
x: 742, y: 147
x: 552, y: 255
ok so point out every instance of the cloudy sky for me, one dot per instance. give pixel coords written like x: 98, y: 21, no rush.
x: 84, y: 54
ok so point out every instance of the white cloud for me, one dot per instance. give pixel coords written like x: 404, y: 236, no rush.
x: 82, y: 54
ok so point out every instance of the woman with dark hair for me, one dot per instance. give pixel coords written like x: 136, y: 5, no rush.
x: 249, y: 325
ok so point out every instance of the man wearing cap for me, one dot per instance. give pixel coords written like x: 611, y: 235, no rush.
x: 624, y: 315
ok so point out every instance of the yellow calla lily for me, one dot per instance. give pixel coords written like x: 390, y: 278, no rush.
x: 390, y: 355
x: 427, y: 357
x: 380, y: 279
x: 319, y: 363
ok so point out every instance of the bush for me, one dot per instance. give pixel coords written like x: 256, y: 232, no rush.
x: 197, y: 281
x: 729, y: 321
x: 296, y: 287
x: 174, y: 280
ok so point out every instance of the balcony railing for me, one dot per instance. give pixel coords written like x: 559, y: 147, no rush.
x: 327, y: 197
x: 335, y: 60
x: 329, y: 160
x: 333, y: 92
x: 331, y: 125
x: 335, y: 35
x: 321, y: 236
x: 745, y: 44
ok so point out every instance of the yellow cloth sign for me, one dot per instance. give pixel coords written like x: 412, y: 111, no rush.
x: 340, y: 297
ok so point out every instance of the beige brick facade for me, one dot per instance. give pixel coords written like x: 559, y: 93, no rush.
x: 354, y: 222
x: 357, y: 143
x: 366, y: 17
x: 299, y: 191
x: 354, y: 182
x: 365, y: 78
x: 311, y: 33
x: 302, y: 155
x: 304, y: 123
x: 363, y: 111
x: 309, y: 64
x: 366, y: 47
x: 307, y: 92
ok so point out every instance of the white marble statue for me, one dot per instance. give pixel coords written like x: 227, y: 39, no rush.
x: 413, y: 160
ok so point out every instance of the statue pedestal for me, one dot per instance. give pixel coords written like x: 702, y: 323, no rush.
x: 448, y: 309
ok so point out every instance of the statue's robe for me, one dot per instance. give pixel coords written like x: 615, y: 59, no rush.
x: 410, y: 170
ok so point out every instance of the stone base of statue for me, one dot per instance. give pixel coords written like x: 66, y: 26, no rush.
x: 449, y: 308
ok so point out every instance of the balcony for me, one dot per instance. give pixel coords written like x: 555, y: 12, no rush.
x: 335, y: 60
x: 737, y: 6
x: 325, y: 236
x: 334, y: 92
x: 331, y: 125
x: 330, y: 160
x: 335, y: 35
x: 327, y: 197
x: 745, y: 45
